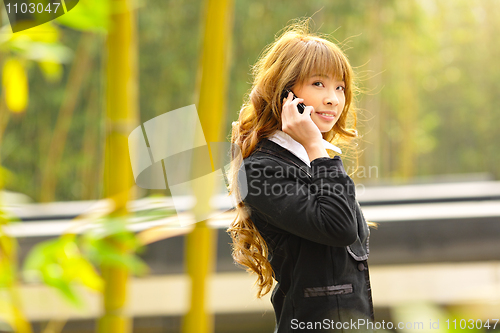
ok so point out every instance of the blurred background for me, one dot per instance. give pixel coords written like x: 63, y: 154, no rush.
x: 427, y: 159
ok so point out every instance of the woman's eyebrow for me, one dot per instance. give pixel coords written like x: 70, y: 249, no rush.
x: 321, y: 75
x: 327, y: 76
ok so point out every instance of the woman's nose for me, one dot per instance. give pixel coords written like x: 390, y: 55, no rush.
x: 332, y: 99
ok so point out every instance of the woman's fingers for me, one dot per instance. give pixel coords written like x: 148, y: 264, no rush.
x: 284, y: 111
x: 290, y: 116
x: 299, y: 126
x: 308, y: 110
x: 287, y: 108
x: 291, y: 107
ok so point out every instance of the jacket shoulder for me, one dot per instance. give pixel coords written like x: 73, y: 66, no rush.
x: 263, y: 158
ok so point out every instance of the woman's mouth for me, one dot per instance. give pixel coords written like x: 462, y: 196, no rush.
x: 326, y: 115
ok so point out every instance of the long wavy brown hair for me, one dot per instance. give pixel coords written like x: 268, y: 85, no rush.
x: 296, y: 54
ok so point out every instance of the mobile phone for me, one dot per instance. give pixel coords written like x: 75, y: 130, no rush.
x: 300, y: 106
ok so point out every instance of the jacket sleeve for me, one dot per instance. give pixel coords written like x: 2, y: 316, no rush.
x: 322, y: 210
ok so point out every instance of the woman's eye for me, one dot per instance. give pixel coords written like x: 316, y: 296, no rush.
x: 317, y: 83
x: 341, y: 88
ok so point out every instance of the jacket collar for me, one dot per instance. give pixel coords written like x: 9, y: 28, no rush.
x: 287, y: 142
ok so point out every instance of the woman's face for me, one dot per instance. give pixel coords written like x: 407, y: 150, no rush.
x: 326, y: 95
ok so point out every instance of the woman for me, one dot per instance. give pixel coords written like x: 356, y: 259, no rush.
x: 298, y: 220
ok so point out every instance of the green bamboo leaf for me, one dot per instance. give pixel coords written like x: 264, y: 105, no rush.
x: 7, y: 273
x: 52, y: 71
x: 38, y: 51
x: 7, y: 244
x: 89, y: 277
x: 15, y: 85
x: 102, y: 252
x: 36, y: 259
x: 90, y: 15
x: 4, y: 217
x: 68, y: 292
x: 60, y: 264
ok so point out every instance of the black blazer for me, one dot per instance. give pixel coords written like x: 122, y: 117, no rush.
x: 317, y: 239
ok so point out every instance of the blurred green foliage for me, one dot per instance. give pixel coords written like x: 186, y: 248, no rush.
x: 428, y: 69
x: 70, y: 260
x: 60, y: 264
x: 100, y: 240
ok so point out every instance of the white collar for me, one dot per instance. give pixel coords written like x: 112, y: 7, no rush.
x: 286, y: 141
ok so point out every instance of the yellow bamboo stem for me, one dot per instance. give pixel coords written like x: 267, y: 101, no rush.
x: 121, y: 118
x: 200, y: 245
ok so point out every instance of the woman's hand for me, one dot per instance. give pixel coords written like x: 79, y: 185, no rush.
x: 301, y: 127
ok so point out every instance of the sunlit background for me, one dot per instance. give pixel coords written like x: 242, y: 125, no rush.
x: 426, y: 167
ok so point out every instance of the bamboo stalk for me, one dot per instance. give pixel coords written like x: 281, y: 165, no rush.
x: 78, y: 73
x: 121, y: 118
x: 4, y: 115
x: 54, y: 326
x: 90, y: 142
x: 200, y: 253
